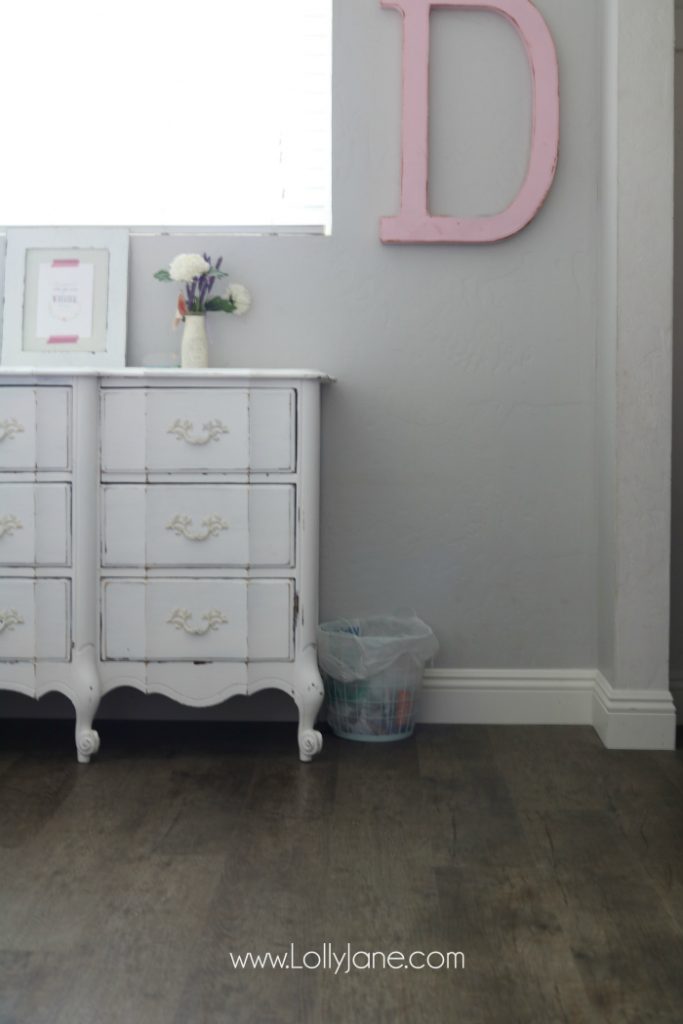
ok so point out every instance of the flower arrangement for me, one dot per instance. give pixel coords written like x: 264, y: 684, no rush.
x: 199, y: 274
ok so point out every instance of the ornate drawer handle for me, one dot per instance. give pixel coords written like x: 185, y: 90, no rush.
x: 8, y: 428
x: 183, y: 431
x: 8, y: 524
x: 182, y: 525
x: 9, y: 619
x: 181, y: 620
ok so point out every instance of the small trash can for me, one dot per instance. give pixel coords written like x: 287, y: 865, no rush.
x: 372, y: 669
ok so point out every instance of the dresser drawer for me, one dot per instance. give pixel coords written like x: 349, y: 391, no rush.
x: 162, y: 525
x: 197, y: 620
x: 34, y: 428
x: 35, y: 524
x: 35, y: 620
x: 190, y: 430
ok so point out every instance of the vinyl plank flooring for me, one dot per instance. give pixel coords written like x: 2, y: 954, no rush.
x: 284, y: 785
x: 137, y: 968
x: 382, y: 892
x: 111, y: 816
x: 117, y: 809
x: 266, y: 899
x: 31, y: 790
x: 552, y: 864
x: 442, y: 749
x: 33, y: 986
x: 628, y: 952
x: 382, y: 896
x: 654, y: 834
x: 211, y: 799
x: 520, y: 965
x: 473, y: 817
x: 546, y: 767
x: 626, y: 943
x: 670, y: 762
x: 48, y: 905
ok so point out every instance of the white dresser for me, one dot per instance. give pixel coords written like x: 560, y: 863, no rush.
x: 159, y: 529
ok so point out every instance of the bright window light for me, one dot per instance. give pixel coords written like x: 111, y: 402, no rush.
x: 153, y: 113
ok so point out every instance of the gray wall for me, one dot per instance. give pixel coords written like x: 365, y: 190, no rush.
x: 459, y: 453
x: 606, y: 366
x: 677, y: 458
x: 636, y: 348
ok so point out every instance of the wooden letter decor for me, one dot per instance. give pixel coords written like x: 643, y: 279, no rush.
x: 414, y: 223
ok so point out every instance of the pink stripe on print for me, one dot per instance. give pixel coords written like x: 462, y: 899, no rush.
x: 62, y: 339
x: 65, y: 263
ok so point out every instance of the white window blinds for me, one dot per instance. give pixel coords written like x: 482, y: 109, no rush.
x: 161, y: 114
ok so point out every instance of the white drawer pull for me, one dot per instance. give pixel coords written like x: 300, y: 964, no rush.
x: 8, y: 428
x: 9, y: 619
x: 181, y: 620
x: 8, y: 524
x: 182, y: 525
x: 212, y: 431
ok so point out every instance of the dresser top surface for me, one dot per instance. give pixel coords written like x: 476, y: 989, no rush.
x: 137, y: 372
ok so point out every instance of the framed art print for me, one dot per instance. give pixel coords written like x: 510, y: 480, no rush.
x: 66, y: 293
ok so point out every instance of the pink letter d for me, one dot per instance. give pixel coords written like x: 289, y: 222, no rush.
x: 414, y: 223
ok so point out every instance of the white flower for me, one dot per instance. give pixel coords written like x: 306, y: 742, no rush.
x: 240, y: 296
x: 187, y: 265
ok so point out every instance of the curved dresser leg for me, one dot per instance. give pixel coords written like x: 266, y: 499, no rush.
x: 85, y: 698
x: 309, y: 697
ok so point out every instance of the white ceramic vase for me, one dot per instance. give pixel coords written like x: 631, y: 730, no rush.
x: 194, y: 354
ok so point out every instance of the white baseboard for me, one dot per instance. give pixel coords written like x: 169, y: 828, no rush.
x: 676, y: 681
x: 624, y: 719
x: 507, y: 697
x: 633, y: 719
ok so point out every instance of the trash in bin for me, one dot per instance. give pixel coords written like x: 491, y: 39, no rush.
x: 372, y: 669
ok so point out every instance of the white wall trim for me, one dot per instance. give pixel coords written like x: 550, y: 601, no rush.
x: 633, y: 719
x: 507, y: 697
x: 624, y: 719
x: 676, y: 683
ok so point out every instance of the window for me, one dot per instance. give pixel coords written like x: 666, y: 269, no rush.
x: 166, y: 115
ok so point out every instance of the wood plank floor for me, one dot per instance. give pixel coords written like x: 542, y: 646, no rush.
x: 553, y: 865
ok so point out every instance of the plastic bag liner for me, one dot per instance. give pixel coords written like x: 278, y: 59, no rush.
x: 356, y: 649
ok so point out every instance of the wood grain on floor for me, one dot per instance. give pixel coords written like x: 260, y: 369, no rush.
x: 554, y: 865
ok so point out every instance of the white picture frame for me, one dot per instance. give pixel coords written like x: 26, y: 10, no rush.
x: 65, y: 297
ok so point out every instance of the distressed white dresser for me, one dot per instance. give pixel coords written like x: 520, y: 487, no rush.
x: 159, y: 529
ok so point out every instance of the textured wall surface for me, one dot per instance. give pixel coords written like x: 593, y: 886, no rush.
x: 606, y: 366
x: 634, y: 353
x: 677, y: 459
x: 643, y: 359
x: 459, y: 452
